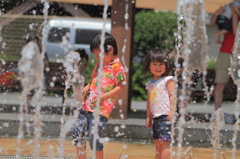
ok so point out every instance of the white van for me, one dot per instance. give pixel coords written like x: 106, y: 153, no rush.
x: 66, y: 34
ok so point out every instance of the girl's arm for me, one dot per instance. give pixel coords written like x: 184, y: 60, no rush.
x: 148, y: 114
x: 170, y: 87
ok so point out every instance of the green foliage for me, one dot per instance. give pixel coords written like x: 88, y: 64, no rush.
x: 138, y: 83
x: 9, y: 57
x: 91, y: 64
x: 154, y: 29
x: 211, y: 64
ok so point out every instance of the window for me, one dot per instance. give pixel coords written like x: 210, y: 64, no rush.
x: 56, y: 33
x: 84, y: 36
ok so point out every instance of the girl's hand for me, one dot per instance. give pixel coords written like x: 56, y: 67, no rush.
x: 149, y: 122
x: 170, y: 116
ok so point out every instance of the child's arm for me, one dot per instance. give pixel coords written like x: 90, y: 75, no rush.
x: 114, y: 92
x: 85, y: 90
x: 218, y: 12
x: 170, y: 87
x: 148, y: 114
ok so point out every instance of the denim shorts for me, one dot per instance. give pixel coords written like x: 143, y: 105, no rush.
x: 84, y: 126
x: 162, y: 128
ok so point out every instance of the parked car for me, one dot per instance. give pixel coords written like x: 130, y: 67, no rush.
x: 66, y: 34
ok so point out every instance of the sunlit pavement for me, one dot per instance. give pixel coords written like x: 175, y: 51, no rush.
x: 112, y: 150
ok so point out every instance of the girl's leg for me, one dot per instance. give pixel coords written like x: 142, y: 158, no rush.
x: 162, y: 149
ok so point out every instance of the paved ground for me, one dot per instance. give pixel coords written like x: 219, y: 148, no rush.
x: 131, y: 130
x: 112, y: 150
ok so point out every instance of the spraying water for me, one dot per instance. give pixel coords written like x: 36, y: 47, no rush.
x: 235, y: 74
x: 194, y: 53
x: 178, y: 45
x: 31, y: 76
x: 76, y: 81
x: 101, y: 55
x: 216, y: 123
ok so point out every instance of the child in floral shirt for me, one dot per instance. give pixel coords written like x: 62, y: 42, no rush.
x: 113, y: 81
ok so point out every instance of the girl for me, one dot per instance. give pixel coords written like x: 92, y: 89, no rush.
x: 161, y: 100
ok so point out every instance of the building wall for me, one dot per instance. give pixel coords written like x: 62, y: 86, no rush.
x: 210, y: 5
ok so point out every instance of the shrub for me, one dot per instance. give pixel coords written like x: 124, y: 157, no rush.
x: 154, y: 29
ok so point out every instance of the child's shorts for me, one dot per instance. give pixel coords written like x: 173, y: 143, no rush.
x: 224, y: 23
x: 162, y: 128
x: 84, y: 124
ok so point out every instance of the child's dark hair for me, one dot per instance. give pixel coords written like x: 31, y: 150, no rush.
x: 109, y: 41
x: 82, y: 53
x: 32, y: 37
x: 157, y: 55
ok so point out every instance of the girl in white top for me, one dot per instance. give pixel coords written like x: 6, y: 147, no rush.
x: 161, y: 100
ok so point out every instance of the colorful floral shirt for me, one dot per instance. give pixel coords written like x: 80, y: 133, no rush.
x: 112, y: 74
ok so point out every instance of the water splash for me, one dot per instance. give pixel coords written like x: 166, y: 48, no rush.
x: 178, y: 45
x: 31, y: 77
x: 216, y: 123
x: 101, y: 55
x: 234, y: 70
x: 194, y: 53
x: 76, y: 81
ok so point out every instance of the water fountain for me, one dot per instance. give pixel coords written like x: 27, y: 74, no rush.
x: 235, y: 73
x: 101, y: 55
x: 31, y: 76
x: 194, y: 53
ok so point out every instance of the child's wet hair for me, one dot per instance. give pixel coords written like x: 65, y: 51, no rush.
x: 109, y: 41
x: 157, y: 55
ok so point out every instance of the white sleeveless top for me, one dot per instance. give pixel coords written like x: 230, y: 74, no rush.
x: 159, y: 97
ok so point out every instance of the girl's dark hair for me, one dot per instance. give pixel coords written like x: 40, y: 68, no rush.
x: 157, y: 55
x: 109, y: 41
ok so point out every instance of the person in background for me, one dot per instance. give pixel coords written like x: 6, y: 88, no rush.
x: 113, y: 81
x: 161, y: 101
x: 223, y: 61
x: 83, y: 62
x: 224, y: 20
